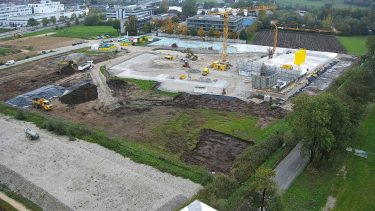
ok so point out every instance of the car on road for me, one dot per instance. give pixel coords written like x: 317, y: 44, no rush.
x: 10, y: 62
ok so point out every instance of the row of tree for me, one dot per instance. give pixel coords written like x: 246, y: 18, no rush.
x: 62, y: 19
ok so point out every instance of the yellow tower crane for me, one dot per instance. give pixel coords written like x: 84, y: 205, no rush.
x: 223, y: 64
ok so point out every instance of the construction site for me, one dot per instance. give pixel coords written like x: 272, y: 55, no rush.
x: 171, y: 94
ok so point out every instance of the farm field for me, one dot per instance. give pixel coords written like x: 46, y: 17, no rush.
x: 355, y: 45
x: 85, y: 32
x: 310, y: 41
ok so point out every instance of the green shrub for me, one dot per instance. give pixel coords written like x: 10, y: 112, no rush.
x: 56, y: 126
x: 21, y: 115
x: 249, y: 160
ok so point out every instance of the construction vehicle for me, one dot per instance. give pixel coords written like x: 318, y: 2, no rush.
x: 30, y: 134
x: 186, y: 64
x: 224, y: 56
x: 287, y: 67
x: 182, y: 77
x: 169, y: 57
x: 205, y: 71
x: 17, y: 35
x: 219, y: 65
x: 85, y: 66
x: 42, y: 103
x: 190, y: 54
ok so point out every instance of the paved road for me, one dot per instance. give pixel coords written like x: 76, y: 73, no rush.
x: 290, y: 167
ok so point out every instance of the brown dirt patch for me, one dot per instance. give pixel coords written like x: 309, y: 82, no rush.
x: 216, y: 151
x: 40, y: 43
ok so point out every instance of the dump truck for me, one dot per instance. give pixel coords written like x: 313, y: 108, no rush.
x: 205, y: 71
x: 85, y: 66
x: 42, y: 103
x: 218, y: 65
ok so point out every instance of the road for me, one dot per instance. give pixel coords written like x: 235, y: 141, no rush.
x: 290, y: 167
x: 83, y: 175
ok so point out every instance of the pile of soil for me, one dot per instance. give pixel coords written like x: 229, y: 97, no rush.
x: 216, y: 151
x: 68, y: 70
x: 80, y: 93
x: 227, y: 103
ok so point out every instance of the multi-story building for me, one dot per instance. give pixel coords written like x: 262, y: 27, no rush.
x: 11, y: 10
x: 122, y: 13
x: 215, y: 21
x: 46, y: 6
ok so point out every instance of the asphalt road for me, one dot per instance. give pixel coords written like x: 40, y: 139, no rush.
x: 290, y: 167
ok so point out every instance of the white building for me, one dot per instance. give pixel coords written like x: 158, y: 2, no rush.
x: 46, y: 6
x: 11, y: 10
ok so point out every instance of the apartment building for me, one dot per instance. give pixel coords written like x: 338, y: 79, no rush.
x: 11, y: 10
x: 215, y: 21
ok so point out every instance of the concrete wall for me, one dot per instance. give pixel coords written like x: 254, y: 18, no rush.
x: 21, y: 186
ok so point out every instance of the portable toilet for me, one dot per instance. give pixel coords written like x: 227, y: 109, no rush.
x: 300, y: 57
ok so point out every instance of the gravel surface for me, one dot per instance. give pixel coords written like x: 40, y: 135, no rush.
x: 86, y: 176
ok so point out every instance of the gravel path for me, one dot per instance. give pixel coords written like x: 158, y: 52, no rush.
x: 86, y: 176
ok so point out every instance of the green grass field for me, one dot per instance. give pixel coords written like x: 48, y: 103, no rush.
x: 356, y: 190
x: 336, y: 3
x: 184, y: 129
x: 355, y: 45
x: 85, y: 32
x: 27, y: 203
x: 5, y: 206
x: 4, y: 51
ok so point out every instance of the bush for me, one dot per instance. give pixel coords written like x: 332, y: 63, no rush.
x: 21, y: 115
x: 247, y: 162
x: 56, y: 126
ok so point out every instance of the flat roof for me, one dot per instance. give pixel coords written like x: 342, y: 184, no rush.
x: 214, y: 17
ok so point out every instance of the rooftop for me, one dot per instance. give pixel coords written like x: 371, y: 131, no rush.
x: 214, y: 17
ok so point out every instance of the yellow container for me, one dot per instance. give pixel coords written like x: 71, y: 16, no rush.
x: 300, y: 57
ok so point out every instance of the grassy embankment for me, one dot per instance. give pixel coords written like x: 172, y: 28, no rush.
x: 27, y: 203
x: 85, y: 32
x: 355, y: 45
x: 346, y: 177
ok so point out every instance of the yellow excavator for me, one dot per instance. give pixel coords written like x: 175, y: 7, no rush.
x: 42, y: 103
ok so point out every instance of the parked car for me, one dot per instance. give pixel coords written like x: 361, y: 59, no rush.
x: 10, y: 62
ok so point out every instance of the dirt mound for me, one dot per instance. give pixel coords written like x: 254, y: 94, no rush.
x: 227, y: 103
x: 80, y: 93
x: 68, y: 70
x: 216, y: 151
x: 162, y: 64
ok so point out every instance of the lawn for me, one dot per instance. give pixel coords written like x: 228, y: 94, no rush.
x: 27, y: 203
x: 302, y: 3
x: 357, y: 191
x: 5, y: 206
x: 184, y: 129
x: 355, y: 45
x: 4, y: 51
x: 85, y: 32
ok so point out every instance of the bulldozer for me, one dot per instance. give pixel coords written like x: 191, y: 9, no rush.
x: 169, y: 57
x: 17, y: 35
x: 42, y: 103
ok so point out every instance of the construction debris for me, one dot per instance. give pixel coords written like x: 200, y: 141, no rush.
x: 82, y: 92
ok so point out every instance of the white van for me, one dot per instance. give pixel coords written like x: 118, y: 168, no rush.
x: 10, y: 62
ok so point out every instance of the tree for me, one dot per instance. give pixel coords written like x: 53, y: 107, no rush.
x: 193, y: 32
x: 264, y: 184
x: 76, y: 21
x: 116, y: 25
x: 68, y: 23
x: 189, y: 8
x: 164, y: 6
x: 243, y: 35
x: 211, y: 32
x: 217, y: 33
x: 131, y: 25
x: 91, y: 20
x: 147, y: 28
x: 175, y: 19
x: 370, y: 44
x: 53, y: 20
x: 183, y: 30
x: 327, y: 23
x: 62, y: 19
x: 45, y: 21
x: 201, y: 32
x: 32, y: 22
x: 322, y: 123
x: 232, y: 35
x: 73, y: 17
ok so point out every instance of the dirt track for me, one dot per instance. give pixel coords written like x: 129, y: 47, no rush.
x: 85, y: 176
